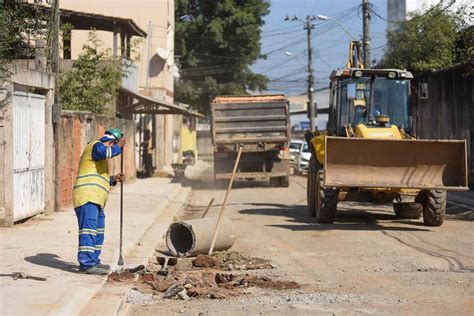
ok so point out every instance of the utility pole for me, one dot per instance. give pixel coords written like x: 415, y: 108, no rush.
x: 308, y: 26
x: 366, y: 34
x: 57, y: 106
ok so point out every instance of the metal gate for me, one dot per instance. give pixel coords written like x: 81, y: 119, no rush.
x: 28, y: 152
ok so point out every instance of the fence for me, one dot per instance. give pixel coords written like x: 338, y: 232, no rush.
x: 447, y: 111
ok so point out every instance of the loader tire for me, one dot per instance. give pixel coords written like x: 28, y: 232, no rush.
x: 310, y: 187
x: 434, y: 206
x: 408, y: 210
x: 326, y: 200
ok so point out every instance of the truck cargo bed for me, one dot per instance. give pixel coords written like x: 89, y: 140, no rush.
x: 260, y: 120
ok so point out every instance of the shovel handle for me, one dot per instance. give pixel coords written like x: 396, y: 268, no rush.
x: 207, y: 208
x: 120, y: 260
x: 221, y: 214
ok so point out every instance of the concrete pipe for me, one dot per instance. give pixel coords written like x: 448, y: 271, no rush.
x: 193, y: 237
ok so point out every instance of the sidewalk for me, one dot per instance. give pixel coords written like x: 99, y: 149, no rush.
x: 48, y: 248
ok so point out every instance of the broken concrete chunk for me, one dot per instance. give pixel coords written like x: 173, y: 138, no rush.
x: 183, y: 295
x: 172, y: 291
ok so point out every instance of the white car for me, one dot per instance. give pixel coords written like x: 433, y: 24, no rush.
x: 302, y: 159
x: 295, y: 147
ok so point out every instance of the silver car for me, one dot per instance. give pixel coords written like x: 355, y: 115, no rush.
x: 302, y: 159
x: 295, y: 147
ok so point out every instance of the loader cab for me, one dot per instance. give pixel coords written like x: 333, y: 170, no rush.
x: 371, y: 97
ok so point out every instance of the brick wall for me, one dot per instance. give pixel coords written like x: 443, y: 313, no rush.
x: 78, y: 129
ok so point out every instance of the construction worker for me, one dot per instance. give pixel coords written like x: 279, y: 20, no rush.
x: 90, y: 195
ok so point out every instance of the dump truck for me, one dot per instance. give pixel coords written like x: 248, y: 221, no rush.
x: 370, y: 152
x: 261, y: 125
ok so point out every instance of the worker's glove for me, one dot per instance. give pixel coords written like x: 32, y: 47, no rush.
x: 119, y: 177
x: 122, y: 142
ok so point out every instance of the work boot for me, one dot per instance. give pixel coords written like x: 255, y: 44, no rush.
x: 103, y: 266
x: 95, y: 270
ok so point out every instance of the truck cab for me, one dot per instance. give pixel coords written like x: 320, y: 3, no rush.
x: 370, y: 103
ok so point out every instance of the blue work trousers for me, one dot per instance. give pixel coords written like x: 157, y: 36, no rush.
x: 91, y: 220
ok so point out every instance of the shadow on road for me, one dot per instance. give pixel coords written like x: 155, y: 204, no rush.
x: 210, y: 184
x: 347, y: 219
x: 52, y: 261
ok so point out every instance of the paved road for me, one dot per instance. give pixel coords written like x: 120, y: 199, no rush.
x: 366, y: 262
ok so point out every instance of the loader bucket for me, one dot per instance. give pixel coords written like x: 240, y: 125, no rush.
x: 387, y: 163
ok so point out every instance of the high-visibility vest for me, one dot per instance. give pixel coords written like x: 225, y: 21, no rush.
x: 92, y: 182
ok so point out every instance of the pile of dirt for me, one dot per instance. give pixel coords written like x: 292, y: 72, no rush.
x: 231, y: 260
x: 206, y: 284
x: 204, y: 261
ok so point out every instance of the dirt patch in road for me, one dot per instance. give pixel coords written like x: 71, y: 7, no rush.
x: 219, y: 276
x: 207, y: 284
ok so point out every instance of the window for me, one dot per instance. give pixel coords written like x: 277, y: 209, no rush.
x: 390, y: 97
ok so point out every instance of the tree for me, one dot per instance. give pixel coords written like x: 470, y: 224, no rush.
x: 424, y: 42
x: 94, y: 80
x: 20, y: 25
x: 216, y: 42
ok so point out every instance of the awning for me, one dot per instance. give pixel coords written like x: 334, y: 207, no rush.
x: 140, y: 104
x: 87, y: 21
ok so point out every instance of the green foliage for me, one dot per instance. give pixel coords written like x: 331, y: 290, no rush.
x: 94, y: 80
x: 426, y: 41
x: 465, y: 46
x: 217, y: 41
x: 20, y: 25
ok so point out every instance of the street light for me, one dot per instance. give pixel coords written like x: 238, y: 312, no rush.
x: 326, y: 18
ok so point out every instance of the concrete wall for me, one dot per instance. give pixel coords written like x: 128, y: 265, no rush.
x: 76, y: 130
x: 448, y: 113
x: 26, y: 80
x: 204, y: 144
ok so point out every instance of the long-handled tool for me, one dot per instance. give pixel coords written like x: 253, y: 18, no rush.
x: 120, y: 260
x: 221, y: 214
x: 207, y: 208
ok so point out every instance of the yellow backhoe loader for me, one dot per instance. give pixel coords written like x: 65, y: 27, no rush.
x: 369, y: 153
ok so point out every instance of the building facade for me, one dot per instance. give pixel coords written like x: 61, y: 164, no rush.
x: 399, y: 10
x: 153, y: 74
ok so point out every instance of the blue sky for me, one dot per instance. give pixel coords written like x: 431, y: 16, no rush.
x: 287, y: 72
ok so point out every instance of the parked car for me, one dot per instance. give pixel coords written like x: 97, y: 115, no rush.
x: 295, y: 147
x: 302, y: 159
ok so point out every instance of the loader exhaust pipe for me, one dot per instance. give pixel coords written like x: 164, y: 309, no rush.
x: 389, y: 163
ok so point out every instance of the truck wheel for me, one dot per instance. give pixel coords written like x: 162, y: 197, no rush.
x: 326, y: 200
x: 408, y: 210
x: 310, y: 186
x: 284, y: 181
x: 434, y: 206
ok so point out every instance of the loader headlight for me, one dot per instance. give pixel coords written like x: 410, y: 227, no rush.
x: 392, y: 75
x: 358, y: 73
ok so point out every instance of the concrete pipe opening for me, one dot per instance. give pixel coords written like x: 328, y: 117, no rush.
x: 193, y: 237
x: 181, y: 238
